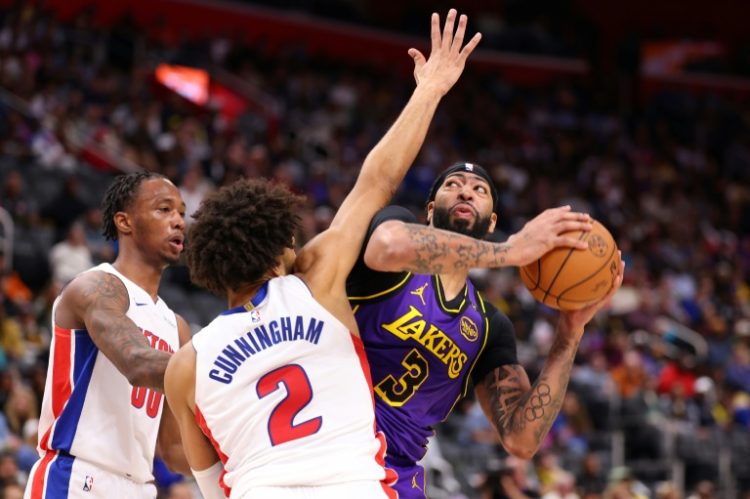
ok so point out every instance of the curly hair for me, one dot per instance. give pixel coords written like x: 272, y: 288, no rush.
x: 239, y: 233
x: 119, y: 196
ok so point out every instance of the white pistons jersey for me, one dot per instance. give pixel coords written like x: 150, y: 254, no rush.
x: 282, y: 390
x: 91, y: 412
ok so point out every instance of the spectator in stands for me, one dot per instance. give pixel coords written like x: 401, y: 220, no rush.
x: 70, y: 257
x: 17, y: 201
x: 591, y: 478
x: 101, y: 249
x: 512, y: 478
x: 192, y: 189
x: 630, y: 377
x: 9, y: 472
x: 20, y: 408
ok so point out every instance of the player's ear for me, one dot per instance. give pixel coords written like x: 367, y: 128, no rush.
x: 430, y: 208
x: 493, y: 222
x: 123, y: 223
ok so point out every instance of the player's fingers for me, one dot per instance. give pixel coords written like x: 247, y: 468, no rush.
x: 571, y: 242
x: 448, y: 29
x: 458, y: 38
x: 469, y: 48
x: 435, y: 31
x: 566, y: 225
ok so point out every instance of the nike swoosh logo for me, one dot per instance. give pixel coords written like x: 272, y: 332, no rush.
x: 140, y: 304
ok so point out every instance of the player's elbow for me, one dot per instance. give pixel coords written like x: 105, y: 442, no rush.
x: 388, y: 247
x: 520, y: 447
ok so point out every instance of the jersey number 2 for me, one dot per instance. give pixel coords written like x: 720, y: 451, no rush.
x: 281, y: 427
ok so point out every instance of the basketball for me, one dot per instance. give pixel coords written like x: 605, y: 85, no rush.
x: 569, y: 279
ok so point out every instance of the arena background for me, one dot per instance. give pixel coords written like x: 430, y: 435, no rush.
x: 636, y: 112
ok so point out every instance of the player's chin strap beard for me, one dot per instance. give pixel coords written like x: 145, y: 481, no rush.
x: 441, y: 219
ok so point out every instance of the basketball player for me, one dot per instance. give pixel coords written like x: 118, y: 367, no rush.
x: 429, y: 335
x: 273, y: 397
x: 113, y: 337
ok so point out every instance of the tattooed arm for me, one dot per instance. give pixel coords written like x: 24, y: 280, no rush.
x: 396, y: 246
x: 523, y: 413
x: 98, y: 302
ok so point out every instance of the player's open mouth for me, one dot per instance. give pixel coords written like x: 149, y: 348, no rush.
x: 464, y: 211
x: 177, y: 243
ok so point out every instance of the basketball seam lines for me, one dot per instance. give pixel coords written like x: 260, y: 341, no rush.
x: 607, y: 262
x: 559, y: 269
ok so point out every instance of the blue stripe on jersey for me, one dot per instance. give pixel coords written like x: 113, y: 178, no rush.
x: 84, y: 358
x: 58, y: 479
x: 257, y: 299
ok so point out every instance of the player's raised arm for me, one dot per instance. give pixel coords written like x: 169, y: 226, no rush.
x: 100, y: 301
x: 387, y: 163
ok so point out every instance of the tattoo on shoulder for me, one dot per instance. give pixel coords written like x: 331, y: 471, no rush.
x: 106, y: 291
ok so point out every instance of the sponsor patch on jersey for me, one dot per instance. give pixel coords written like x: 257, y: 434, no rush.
x: 469, y: 330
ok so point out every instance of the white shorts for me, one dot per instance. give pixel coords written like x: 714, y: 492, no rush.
x: 365, y: 489
x: 58, y: 476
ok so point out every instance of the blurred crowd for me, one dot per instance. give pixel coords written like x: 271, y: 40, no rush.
x: 659, y: 400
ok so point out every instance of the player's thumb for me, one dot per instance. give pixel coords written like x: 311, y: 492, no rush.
x: 419, y: 59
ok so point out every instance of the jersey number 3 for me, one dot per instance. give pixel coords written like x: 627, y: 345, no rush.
x: 397, y: 391
x: 281, y: 427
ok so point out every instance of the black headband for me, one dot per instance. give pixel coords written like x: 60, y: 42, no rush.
x: 468, y: 168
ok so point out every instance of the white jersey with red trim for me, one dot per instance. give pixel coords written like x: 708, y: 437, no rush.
x: 90, y: 411
x: 282, y: 390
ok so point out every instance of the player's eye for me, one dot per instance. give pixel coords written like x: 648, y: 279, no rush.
x: 481, y: 189
x: 451, y: 183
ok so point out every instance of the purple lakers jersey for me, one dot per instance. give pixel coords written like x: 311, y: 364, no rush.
x: 420, y: 353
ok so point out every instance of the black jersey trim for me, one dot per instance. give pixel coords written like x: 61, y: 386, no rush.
x: 381, y: 294
x: 441, y: 299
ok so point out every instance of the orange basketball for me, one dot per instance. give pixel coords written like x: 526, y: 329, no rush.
x: 569, y: 279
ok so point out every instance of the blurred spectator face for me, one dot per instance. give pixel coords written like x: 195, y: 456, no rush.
x: 13, y: 184
x: 12, y: 491
x: 76, y: 235
x: 8, y: 468
x: 93, y: 218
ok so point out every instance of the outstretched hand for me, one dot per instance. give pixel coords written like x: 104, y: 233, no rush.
x: 544, y: 233
x: 447, y: 57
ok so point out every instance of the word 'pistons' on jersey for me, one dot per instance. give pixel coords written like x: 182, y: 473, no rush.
x: 90, y: 411
x: 282, y: 390
x: 421, y: 351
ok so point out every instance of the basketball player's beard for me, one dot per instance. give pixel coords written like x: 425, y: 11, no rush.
x: 441, y: 219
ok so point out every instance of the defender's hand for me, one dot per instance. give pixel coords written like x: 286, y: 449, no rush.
x: 447, y: 58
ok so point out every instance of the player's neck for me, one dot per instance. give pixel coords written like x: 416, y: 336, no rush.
x: 453, y: 283
x: 144, y: 274
x: 242, y: 295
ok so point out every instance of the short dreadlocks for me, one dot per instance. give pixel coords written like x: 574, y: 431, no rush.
x: 239, y: 233
x: 119, y: 196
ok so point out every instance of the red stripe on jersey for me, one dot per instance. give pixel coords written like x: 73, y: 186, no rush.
x: 201, y: 422
x: 37, y: 482
x: 391, y: 477
x: 61, y: 369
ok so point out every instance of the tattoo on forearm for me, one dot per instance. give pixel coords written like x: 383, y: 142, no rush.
x: 119, y: 337
x: 438, y: 250
x: 514, y: 411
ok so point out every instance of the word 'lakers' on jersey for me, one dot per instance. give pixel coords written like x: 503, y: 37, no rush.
x: 282, y: 390
x: 421, y: 354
